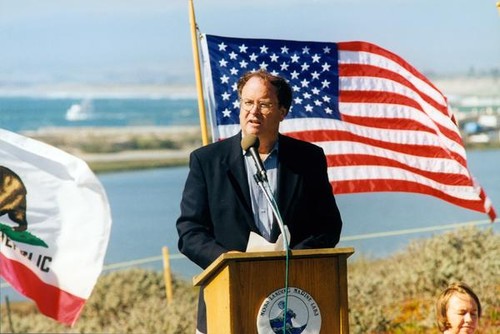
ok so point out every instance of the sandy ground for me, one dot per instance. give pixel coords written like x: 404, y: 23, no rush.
x: 185, y: 139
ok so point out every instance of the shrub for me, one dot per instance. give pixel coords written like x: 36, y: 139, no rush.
x: 391, y: 295
x: 130, y: 301
x: 397, y: 294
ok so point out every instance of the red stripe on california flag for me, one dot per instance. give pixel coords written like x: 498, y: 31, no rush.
x: 50, y: 300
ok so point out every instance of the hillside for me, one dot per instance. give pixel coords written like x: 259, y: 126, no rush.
x: 391, y: 295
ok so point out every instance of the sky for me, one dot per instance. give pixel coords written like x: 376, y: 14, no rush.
x: 149, y: 41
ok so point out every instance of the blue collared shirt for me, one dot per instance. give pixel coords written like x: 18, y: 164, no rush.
x: 262, y: 210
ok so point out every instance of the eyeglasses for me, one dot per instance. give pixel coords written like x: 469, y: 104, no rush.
x: 264, y: 107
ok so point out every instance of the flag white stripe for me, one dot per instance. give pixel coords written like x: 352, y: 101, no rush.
x: 379, y: 111
x: 348, y: 173
x: 433, y: 165
x: 396, y: 111
x: 408, y: 137
x: 387, y: 85
x: 372, y: 59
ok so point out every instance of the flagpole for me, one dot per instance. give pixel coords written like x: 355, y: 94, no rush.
x: 197, y: 72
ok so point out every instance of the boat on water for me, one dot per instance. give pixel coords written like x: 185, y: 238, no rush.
x: 79, y: 111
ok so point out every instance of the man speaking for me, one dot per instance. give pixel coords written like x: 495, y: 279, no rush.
x: 222, y: 201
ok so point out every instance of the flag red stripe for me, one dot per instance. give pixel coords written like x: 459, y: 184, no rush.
x: 366, y: 96
x: 364, y: 70
x: 357, y: 46
x: 413, y: 149
x: 358, y: 186
x: 349, y: 96
x: 339, y: 160
x: 50, y: 300
x: 388, y: 123
x: 399, y: 124
x: 489, y: 210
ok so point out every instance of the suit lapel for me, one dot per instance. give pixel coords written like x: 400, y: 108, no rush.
x: 287, y: 183
x: 288, y: 180
x: 237, y: 175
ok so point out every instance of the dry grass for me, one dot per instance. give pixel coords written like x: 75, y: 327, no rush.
x: 124, y: 148
x: 87, y: 140
x: 396, y: 295
x: 130, y: 301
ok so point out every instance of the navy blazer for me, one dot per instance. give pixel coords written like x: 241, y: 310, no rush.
x: 216, y: 210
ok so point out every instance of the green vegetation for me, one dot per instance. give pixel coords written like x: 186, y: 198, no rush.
x: 391, y: 295
x: 396, y: 295
x: 126, y: 165
x: 127, y: 148
x: 482, y: 146
x: 97, y: 145
x: 130, y: 301
x: 114, y: 140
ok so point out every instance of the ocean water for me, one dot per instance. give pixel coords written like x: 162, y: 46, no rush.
x: 145, y: 204
x: 31, y: 113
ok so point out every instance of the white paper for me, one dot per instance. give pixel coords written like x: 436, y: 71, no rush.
x: 257, y: 243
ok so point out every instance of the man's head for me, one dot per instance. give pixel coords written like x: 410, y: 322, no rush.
x: 264, y: 102
x: 458, y: 309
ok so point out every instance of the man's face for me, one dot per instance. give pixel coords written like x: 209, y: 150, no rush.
x: 462, y: 314
x: 260, y: 113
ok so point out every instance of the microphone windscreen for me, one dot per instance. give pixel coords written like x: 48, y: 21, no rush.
x: 250, y: 141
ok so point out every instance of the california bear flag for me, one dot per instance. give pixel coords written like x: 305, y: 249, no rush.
x: 55, y: 223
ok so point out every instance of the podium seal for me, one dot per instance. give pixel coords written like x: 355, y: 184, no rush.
x: 302, y: 313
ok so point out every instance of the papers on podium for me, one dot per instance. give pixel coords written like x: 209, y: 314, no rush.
x: 257, y: 243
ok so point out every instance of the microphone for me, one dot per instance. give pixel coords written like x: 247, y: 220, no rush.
x: 251, y: 143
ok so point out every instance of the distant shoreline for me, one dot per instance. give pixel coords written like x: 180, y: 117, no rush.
x: 459, y: 85
x: 178, y: 142
x: 113, y: 149
x: 95, y: 91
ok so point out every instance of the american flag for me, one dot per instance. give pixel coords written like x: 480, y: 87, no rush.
x: 382, y: 124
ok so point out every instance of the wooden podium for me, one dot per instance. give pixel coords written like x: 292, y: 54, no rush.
x: 245, y: 291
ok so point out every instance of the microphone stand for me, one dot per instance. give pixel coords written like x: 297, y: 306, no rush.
x: 261, y: 179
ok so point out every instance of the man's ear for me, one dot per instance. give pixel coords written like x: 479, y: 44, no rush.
x: 283, y: 112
